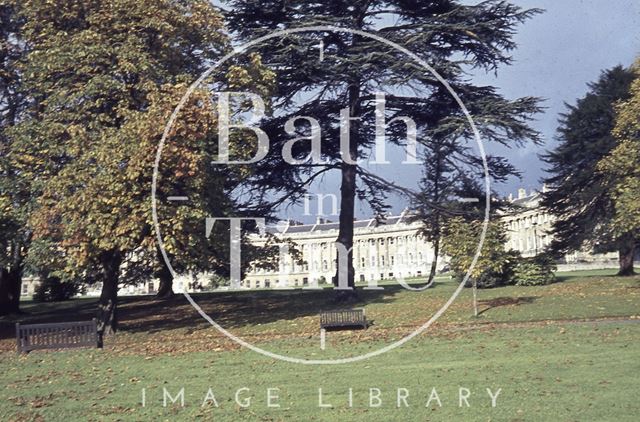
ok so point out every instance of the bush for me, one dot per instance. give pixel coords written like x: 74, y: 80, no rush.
x: 536, y: 271
x: 497, y: 276
x: 52, y: 289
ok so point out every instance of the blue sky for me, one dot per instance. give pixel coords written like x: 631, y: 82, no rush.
x: 559, y: 52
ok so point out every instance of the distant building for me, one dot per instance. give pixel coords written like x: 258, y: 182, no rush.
x: 382, y: 250
x: 529, y: 232
x: 386, y: 250
x: 395, y: 248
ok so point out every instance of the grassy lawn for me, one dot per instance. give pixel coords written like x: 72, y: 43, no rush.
x: 563, y: 352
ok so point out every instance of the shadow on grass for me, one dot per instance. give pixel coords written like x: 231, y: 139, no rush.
x: 505, y: 301
x: 231, y: 310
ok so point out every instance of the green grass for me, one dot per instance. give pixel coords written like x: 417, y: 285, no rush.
x: 528, y: 341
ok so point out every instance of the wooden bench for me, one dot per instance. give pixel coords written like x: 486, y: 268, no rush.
x: 59, y: 335
x: 343, y: 318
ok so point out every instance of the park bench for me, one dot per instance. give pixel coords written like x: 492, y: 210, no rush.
x: 59, y: 335
x: 343, y: 318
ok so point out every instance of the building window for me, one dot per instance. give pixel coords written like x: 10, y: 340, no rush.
x: 392, y: 260
x: 257, y: 284
x: 362, y: 262
x: 382, y: 260
x: 325, y: 266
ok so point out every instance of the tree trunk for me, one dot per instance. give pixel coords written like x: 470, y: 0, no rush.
x: 165, y: 289
x: 434, y: 264
x: 347, y: 200
x: 10, y: 285
x: 626, y: 253
x: 107, y: 313
x: 345, y: 234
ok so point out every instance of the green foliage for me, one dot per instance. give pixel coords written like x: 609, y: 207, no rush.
x: 494, y: 265
x: 104, y: 74
x: 104, y: 77
x: 621, y: 168
x: 579, y: 195
x: 15, y: 201
x: 534, y: 271
x: 52, y: 289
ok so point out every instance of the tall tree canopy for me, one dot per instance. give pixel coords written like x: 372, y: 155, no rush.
x: 621, y: 169
x: 105, y: 75
x: 579, y: 195
x: 351, y: 69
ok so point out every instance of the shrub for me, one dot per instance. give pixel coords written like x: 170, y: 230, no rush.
x: 52, y: 289
x: 536, y: 271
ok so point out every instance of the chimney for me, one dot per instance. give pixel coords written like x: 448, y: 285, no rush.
x: 510, y: 197
x: 522, y: 192
x: 545, y: 188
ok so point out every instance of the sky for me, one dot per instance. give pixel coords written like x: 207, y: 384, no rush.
x: 559, y: 52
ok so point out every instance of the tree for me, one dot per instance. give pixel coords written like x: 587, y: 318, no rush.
x: 493, y: 266
x: 449, y: 36
x: 621, y: 172
x: 106, y: 76
x: 460, y: 241
x: 580, y: 196
x: 15, y: 234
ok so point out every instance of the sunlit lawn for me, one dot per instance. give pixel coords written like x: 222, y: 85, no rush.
x: 563, y: 352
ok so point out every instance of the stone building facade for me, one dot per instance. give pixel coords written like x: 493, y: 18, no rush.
x: 395, y: 248
x: 381, y: 250
x: 529, y: 232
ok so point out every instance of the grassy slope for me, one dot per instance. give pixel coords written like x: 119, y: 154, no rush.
x: 547, y: 371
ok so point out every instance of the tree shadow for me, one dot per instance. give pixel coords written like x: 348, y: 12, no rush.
x: 505, y: 301
x: 231, y: 310
x: 235, y: 310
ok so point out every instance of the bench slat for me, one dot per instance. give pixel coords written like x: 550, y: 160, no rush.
x: 343, y: 318
x: 56, y: 335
